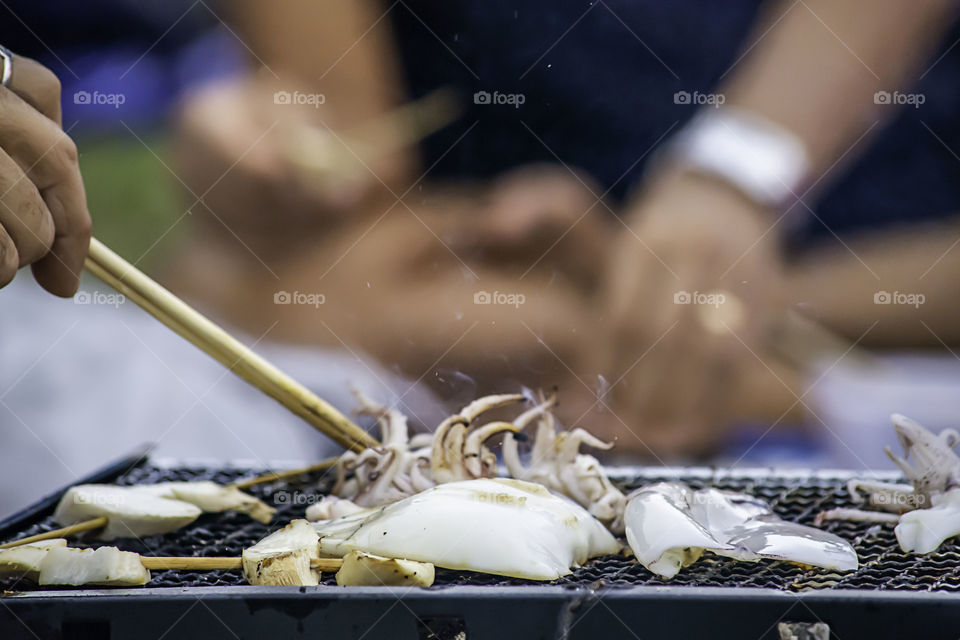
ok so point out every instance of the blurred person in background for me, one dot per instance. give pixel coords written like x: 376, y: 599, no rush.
x: 637, y: 155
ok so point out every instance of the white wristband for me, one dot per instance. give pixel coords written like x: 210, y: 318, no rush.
x: 758, y: 157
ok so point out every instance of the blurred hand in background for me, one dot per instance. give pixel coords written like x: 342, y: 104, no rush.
x: 692, y: 288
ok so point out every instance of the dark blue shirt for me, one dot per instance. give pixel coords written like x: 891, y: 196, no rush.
x: 598, y: 81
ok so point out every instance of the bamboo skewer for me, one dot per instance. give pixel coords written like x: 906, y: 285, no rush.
x: 97, y: 523
x: 63, y: 532
x: 160, y: 563
x: 286, y: 473
x: 217, y: 343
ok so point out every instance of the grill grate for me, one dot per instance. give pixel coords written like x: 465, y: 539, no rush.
x: 794, y: 497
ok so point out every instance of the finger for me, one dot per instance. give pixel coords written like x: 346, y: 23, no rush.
x: 23, y: 213
x: 9, y: 260
x: 49, y: 159
x: 59, y: 271
x: 537, y: 198
x: 37, y: 86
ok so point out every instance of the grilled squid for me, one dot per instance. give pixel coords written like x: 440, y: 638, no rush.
x: 927, y: 510
x: 500, y: 526
x: 556, y: 463
x: 403, y: 466
x: 669, y: 526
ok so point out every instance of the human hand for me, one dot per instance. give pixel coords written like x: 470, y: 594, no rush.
x: 270, y: 171
x: 44, y: 220
x: 693, y: 294
x: 544, y: 215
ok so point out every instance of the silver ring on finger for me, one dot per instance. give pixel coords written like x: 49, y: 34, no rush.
x: 6, y: 59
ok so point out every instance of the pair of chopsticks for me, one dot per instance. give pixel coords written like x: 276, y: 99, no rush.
x: 220, y: 345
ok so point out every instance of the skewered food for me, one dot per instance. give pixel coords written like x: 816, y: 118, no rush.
x: 131, y: 512
x: 556, y: 463
x: 927, y: 509
x: 669, y: 526
x: 458, y: 452
x: 404, y: 466
x: 24, y: 561
x: 145, y: 510
x: 106, y: 566
x: 500, y: 526
x: 367, y: 570
x: 213, y: 498
x: 283, y: 557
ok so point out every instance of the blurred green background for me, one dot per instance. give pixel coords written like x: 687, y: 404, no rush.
x: 136, y: 203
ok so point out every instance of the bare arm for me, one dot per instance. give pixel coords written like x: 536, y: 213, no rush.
x: 344, y: 48
x: 916, y: 268
x: 816, y: 70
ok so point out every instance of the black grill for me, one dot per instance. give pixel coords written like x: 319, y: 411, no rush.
x: 794, y: 496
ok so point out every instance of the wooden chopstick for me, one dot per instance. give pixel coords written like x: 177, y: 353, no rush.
x: 220, y: 345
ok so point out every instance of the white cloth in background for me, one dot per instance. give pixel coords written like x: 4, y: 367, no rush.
x: 84, y: 384
x: 854, y: 401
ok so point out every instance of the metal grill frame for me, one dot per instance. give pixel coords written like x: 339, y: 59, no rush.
x: 480, y: 612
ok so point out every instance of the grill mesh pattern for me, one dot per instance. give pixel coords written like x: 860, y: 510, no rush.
x: 883, y: 565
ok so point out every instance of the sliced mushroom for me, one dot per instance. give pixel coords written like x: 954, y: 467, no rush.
x: 283, y: 557
x: 367, y: 570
